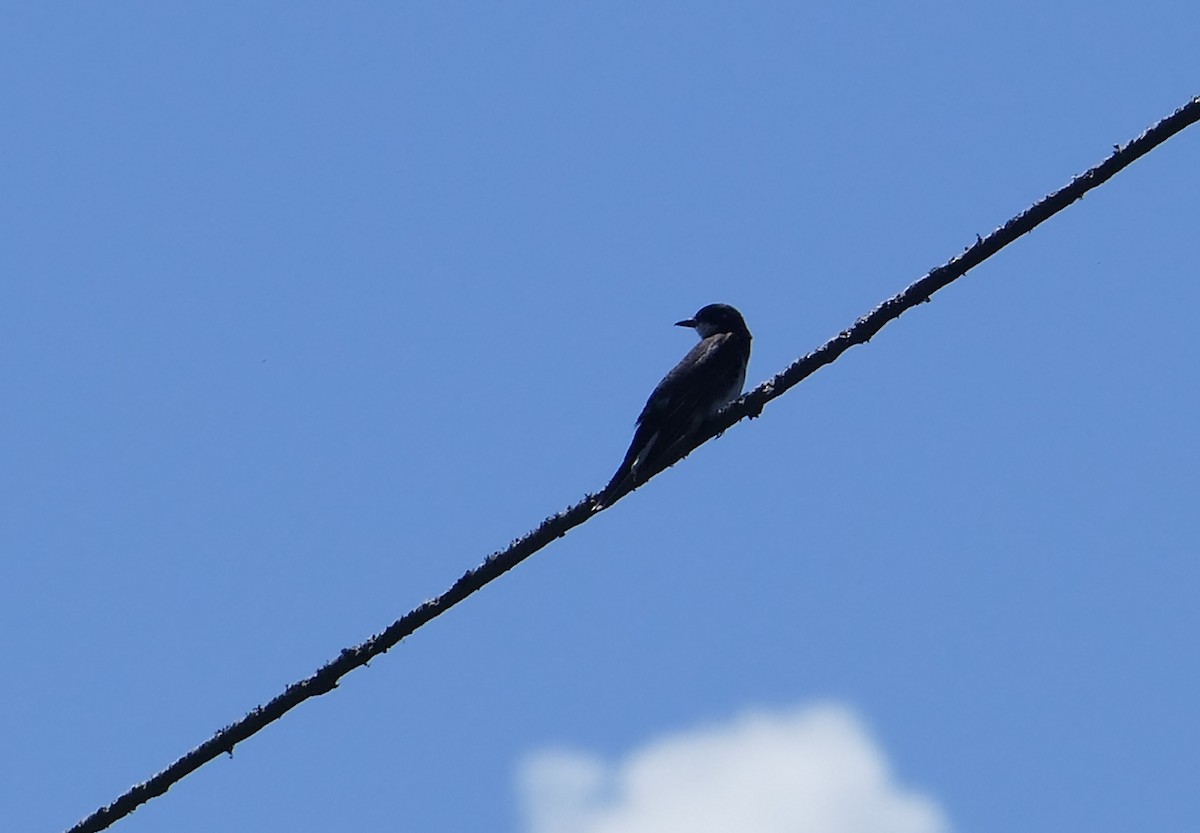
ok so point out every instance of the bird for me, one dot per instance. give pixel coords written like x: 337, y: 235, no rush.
x: 707, y: 379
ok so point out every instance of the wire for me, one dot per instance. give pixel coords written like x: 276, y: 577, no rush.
x: 556, y: 526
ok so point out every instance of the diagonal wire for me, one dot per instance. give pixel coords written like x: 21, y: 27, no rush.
x: 751, y: 405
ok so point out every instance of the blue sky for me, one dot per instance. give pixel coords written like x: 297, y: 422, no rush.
x: 307, y: 308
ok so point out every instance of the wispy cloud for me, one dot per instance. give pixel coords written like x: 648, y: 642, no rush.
x: 808, y: 769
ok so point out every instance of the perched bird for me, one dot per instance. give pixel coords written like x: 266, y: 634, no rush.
x: 710, y: 376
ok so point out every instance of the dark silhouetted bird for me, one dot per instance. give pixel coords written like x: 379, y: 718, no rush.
x: 710, y: 376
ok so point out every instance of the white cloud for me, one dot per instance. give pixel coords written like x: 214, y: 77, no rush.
x: 812, y: 769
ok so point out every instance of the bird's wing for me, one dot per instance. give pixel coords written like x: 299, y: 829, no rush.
x: 685, y: 396
x: 679, y: 404
x: 700, y: 378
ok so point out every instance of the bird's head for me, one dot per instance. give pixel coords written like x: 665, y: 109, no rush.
x: 716, y: 318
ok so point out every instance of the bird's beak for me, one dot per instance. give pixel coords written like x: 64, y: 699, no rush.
x: 687, y: 322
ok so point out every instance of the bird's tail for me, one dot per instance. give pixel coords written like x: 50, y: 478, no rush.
x: 637, y: 467
x: 621, y: 484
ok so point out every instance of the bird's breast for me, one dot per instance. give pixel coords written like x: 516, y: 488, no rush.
x: 735, y: 390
